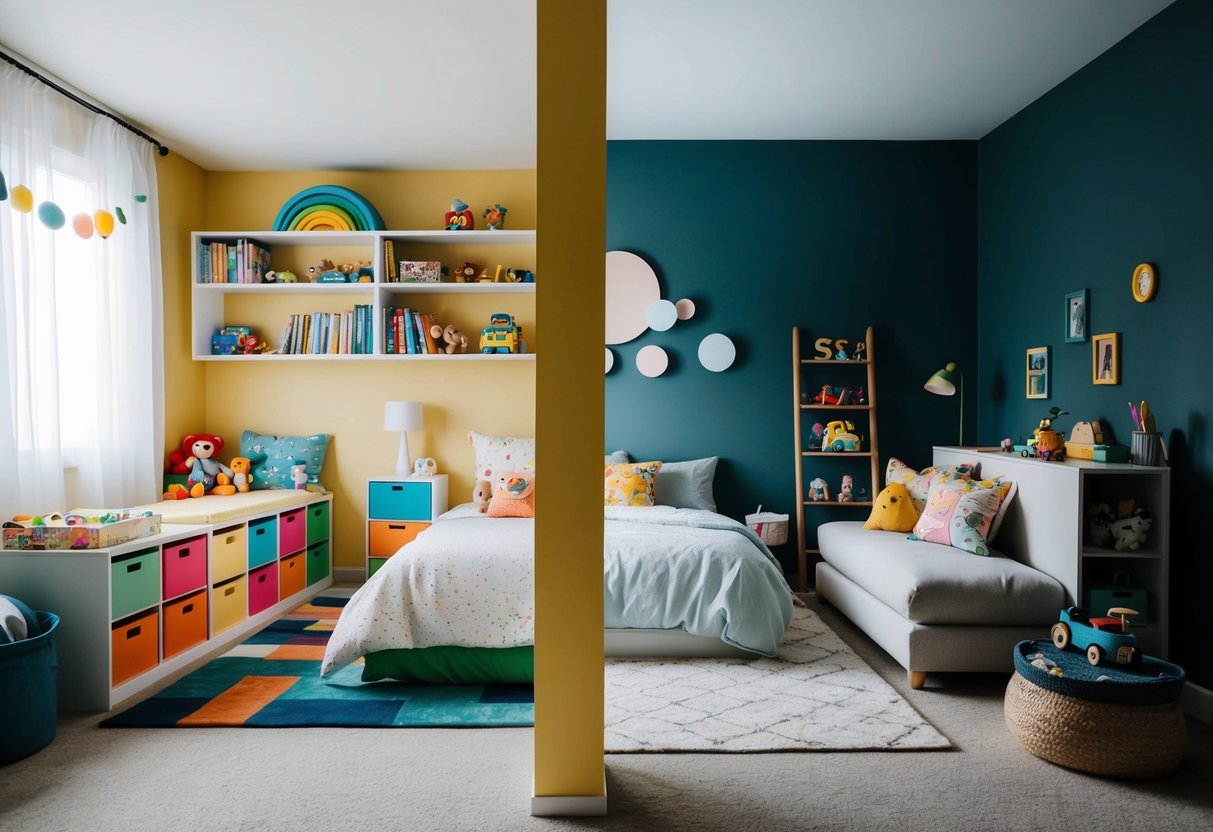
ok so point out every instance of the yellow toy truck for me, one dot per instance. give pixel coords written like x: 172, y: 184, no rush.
x: 840, y: 437
x: 502, y: 335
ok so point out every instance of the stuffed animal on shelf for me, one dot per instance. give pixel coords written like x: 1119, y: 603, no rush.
x: 284, y: 276
x: 819, y: 491
x: 242, y: 473
x: 299, y: 476
x: 174, y: 463
x: 893, y: 510
x: 453, y: 341
x: 425, y: 467
x: 494, y: 215
x: 466, y: 273
x: 1130, y: 532
x: 481, y: 494
x: 845, y: 491
x: 326, y: 271
x: 1099, y: 523
x: 459, y: 218
x: 207, y: 475
x: 815, y: 434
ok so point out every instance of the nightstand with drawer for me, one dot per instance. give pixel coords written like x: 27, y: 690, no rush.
x: 397, y: 510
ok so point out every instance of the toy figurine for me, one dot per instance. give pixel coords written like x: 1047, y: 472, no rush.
x: 818, y: 490
x: 466, y: 273
x: 815, y: 433
x: 485, y: 277
x: 860, y: 349
x: 425, y: 467
x: 459, y: 218
x: 494, y: 215
x: 299, y: 476
x: 845, y: 490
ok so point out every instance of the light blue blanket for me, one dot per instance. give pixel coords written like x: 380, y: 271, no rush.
x: 667, y: 568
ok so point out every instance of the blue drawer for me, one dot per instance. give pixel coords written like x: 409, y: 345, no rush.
x: 262, y: 541
x: 400, y: 501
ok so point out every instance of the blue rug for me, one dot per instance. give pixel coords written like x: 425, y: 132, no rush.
x: 272, y: 680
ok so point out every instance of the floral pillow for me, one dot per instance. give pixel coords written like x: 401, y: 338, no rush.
x: 631, y: 484
x: 960, y: 513
x: 273, y: 456
x: 500, y: 453
x: 918, y: 483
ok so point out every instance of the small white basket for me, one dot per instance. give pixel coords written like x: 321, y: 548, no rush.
x: 771, y: 528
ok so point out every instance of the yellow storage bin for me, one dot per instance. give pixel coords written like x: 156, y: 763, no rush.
x: 229, y: 604
x: 229, y: 552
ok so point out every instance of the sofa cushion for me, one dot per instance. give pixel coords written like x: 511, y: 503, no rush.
x: 929, y: 583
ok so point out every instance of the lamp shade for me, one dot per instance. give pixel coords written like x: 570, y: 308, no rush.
x: 941, y: 383
x: 402, y: 415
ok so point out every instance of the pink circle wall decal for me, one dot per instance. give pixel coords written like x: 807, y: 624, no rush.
x: 652, y: 361
x: 631, y: 285
x: 686, y: 309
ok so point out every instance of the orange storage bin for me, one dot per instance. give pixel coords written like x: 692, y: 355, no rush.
x: 184, y: 623
x: 387, y: 536
x: 292, y: 575
x: 135, y: 645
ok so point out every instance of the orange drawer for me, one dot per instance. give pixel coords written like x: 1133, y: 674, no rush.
x: 292, y: 575
x: 184, y: 623
x: 387, y: 536
x: 135, y: 646
x: 229, y: 553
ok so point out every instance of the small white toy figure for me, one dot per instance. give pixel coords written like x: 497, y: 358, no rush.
x: 845, y: 490
x: 818, y: 490
x: 425, y: 467
x: 299, y: 476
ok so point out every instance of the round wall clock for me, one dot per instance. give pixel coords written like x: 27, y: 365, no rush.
x: 1145, y: 283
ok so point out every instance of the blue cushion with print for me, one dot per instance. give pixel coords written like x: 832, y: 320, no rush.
x: 273, y: 456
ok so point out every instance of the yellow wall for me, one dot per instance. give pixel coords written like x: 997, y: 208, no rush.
x: 345, y: 398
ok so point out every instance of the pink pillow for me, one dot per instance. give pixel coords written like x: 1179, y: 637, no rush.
x: 918, y: 483
x: 960, y: 513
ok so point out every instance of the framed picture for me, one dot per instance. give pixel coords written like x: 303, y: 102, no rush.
x: 1076, y: 315
x: 1105, y: 358
x: 1036, y: 384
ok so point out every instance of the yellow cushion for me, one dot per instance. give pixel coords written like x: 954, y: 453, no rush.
x: 631, y: 483
x: 893, y: 510
x: 214, y: 508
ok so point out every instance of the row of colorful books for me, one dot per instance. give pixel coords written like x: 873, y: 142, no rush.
x: 409, y: 332
x: 333, y: 333
x: 242, y: 261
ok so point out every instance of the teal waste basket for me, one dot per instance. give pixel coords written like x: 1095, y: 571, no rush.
x: 28, y: 673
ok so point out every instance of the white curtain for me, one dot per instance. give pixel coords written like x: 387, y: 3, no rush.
x: 81, y: 320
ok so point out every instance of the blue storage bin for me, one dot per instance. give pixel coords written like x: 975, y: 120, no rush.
x: 28, y: 673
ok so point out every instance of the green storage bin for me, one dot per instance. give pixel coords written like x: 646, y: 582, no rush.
x: 373, y: 564
x: 135, y: 580
x: 29, y: 670
x: 317, y: 562
x: 317, y: 523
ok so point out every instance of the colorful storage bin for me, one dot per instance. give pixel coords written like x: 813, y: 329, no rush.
x: 28, y: 700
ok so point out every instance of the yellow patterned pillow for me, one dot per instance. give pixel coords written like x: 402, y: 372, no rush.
x: 631, y: 483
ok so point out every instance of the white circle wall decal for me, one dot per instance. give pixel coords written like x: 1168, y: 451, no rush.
x: 686, y: 309
x: 610, y: 360
x: 661, y: 315
x: 717, y: 352
x: 652, y: 361
x: 631, y: 285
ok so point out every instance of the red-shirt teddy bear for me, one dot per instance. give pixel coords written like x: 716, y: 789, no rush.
x: 207, y: 475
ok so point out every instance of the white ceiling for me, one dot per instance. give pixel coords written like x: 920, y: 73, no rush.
x: 435, y: 84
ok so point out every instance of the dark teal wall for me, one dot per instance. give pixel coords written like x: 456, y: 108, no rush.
x: 1112, y: 168
x: 830, y: 236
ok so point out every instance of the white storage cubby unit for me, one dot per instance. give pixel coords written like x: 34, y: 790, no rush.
x: 1058, y: 492
x: 265, y: 306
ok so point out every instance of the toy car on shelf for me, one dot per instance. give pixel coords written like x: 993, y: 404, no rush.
x: 502, y: 335
x: 1102, y: 637
x: 840, y: 436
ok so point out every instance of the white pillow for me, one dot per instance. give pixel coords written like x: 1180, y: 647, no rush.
x: 500, y: 453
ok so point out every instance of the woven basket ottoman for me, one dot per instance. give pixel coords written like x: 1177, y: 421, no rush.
x: 1113, y: 721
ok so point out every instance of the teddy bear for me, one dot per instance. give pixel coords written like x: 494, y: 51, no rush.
x: 845, y: 491
x: 453, y: 340
x: 207, y: 475
x: 174, y: 463
x: 242, y: 473
x: 481, y: 494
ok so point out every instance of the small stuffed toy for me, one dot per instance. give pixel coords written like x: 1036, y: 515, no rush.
x: 299, y: 476
x: 459, y: 218
x: 207, y: 475
x: 481, y: 495
x: 819, y: 491
x: 425, y: 467
x: 453, y: 341
x: 175, y: 462
x: 1130, y: 532
x: 845, y: 490
x: 513, y: 495
x: 894, y: 510
x: 242, y: 473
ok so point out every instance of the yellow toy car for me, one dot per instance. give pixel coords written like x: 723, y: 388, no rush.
x: 840, y: 436
x: 502, y: 335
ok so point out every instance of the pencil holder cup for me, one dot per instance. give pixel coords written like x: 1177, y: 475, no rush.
x: 1146, y: 448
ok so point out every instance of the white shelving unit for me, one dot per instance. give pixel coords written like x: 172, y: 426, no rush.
x: 211, y: 302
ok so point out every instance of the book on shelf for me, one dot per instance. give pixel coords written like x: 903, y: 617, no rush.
x: 428, y: 321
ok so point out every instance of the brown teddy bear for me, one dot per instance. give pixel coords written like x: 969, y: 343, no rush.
x: 453, y: 341
x: 481, y: 495
x: 242, y: 472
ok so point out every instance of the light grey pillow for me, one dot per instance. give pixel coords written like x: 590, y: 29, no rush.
x: 686, y: 484
x: 616, y: 458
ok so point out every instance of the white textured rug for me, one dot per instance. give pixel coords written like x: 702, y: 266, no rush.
x: 817, y: 695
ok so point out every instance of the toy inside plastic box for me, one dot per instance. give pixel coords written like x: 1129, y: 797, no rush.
x: 85, y: 535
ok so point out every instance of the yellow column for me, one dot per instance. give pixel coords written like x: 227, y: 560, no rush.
x: 571, y: 210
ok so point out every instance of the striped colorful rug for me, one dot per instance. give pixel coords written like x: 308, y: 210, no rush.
x: 272, y: 680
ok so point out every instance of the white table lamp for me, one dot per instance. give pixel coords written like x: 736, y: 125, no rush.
x: 402, y: 416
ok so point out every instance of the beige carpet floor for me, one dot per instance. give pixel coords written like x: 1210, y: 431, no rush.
x: 332, y: 780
